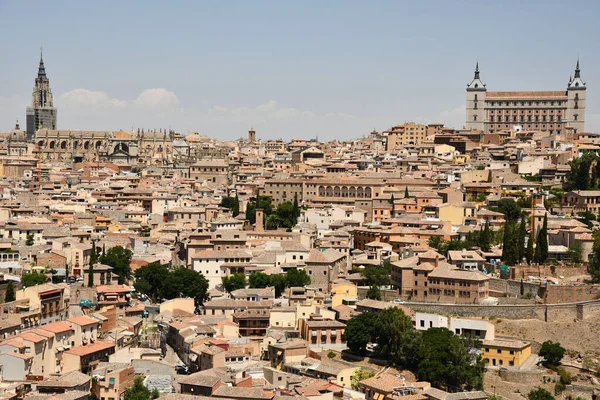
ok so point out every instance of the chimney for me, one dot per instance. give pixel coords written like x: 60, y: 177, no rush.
x: 260, y: 223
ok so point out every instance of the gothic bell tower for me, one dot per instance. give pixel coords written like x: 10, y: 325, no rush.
x: 41, y: 114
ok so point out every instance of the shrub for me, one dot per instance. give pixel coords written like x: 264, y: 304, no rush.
x: 331, y: 354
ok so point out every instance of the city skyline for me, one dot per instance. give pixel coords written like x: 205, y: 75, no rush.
x: 332, y: 80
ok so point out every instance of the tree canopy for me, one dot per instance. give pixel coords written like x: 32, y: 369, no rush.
x: 33, y: 279
x: 552, y: 352
x: 446, y: 360
x: 435, y: 355
x: 119, y: 258
x: 157, y: 282
x: 10, y: 292
x: 259, y: 280
x: 138, y: 391
x: 540, y: 394
x: 234, y: 282
x: 374, y: 293
x: 297, y: 278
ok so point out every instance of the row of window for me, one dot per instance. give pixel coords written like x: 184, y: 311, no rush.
x: 528, y: 103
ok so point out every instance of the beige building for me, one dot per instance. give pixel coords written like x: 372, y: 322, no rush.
x: 549, y: 111
x: 409, y: 133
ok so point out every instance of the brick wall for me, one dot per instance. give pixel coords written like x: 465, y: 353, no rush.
x: 572, y: 293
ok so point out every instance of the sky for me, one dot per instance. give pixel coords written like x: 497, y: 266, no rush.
x: 332, y: 69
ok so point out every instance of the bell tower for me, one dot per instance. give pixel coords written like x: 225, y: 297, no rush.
x: 576, y: 90
x: 476, y: 91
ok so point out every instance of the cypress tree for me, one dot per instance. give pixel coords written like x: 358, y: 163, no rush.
x: 92, y: 262
x: 530, y: 252
x: 296, y: 209
x: 10, y: 293
x: 509, y: 248
x: 521, y: 239
x: 485, y: 237
x: 541, y: 246
x: 406, y: 194
x: 236, y: 206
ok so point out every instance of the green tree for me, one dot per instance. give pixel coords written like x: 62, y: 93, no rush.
x: 33, y: 279
x: 10, y: 292
x: 594, y: 259
x: 530, y: 252
x: 234, y: 282
x: 279, y: 283
x: 286, y: 214
x: 447, y: 363
x: 273, y: 221
x: 93, y: 258
x: 397, y: 339
x: 406, y: 194
x: 189, y: 283
x: 521, y: 236
x: 360, y: 331
x: 153, y: 281
x: 540, y: 394
x: 541, y: 246
x: 509, y: 208
x: 376, y: 275
x: 30, y: 239
x: 360, y: 375
x: 552, y: 353
x: 436, y: 242
x: 259, y: 280
x: 251, y: 212
x: 587, y: 217
x: 374, y: 293
x: 227, y: 202
x: 119, y: 258
x: 485, y: 237
x: 297, y: 278
x: 576, y: 252
x: 235, y: 209
x: 138, y: 391
x: 296, y: 207
x: 579, y: 177
x: 510, y: 252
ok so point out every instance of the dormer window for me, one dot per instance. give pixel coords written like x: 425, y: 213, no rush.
x: 476, y: 85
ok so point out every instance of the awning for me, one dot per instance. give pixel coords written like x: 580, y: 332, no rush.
x: 279, y: 352
x: 314, y: 333
x: 193, y: 357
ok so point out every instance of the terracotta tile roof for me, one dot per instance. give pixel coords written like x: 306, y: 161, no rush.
x: 82, y: 320
x: 57, y: 327
x: 90, y: 348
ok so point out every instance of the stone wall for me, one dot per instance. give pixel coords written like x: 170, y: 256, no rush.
x: 386, y: 294
x: 543, y: 312
x: 513, y: 287
x: 530, y: 377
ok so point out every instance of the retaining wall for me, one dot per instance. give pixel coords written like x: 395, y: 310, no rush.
x: 543, y: 312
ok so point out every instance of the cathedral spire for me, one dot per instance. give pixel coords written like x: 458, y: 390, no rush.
x: 41, y: 68
x: 577, y: 71
x: 476, y: 71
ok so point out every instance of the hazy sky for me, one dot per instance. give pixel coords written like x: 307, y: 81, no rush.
x: 336, y: 69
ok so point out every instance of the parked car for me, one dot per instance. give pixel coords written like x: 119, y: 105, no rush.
x: 182, y: 370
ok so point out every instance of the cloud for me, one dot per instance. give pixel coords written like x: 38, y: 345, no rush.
x: 271, y: 110
x: 85, y: 98
x: 157, y: 98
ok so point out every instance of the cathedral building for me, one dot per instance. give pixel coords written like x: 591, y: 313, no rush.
x: 548, y: 111
x: 41, y: 114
